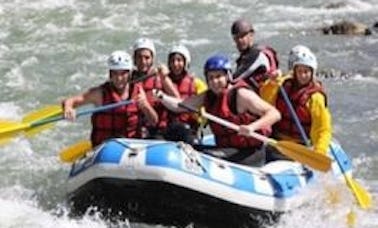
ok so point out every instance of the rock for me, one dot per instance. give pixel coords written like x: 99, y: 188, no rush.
x: 375, y: 26
x: 332, y: 74
x: 335, y: 5
x: 347, y: 28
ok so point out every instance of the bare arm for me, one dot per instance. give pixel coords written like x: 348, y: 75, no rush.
x: 167, y: 83
x: 145, y: 107
x: 249, y: 101
x: 92, y: 96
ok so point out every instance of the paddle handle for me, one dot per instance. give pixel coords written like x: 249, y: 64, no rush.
x: 104, y: 107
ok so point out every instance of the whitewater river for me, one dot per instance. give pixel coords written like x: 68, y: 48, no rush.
x: 50, y: 49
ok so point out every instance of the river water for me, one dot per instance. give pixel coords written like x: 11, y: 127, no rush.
x: 50, y: 49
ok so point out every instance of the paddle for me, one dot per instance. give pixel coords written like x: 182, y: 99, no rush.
x: 42, y: 119
x: 9, y: 129
x: 290, y: 149
x: 13, y: 129
x: 361, y: 195
x: 75, y: 151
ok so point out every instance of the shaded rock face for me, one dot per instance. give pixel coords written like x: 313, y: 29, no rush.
x: 347, y: 28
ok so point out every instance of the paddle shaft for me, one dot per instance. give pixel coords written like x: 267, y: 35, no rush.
x: 82, y: 113
x: 295, y: 117
x: 104, y: 107
x: 97, y: 109
x: 227, y: 124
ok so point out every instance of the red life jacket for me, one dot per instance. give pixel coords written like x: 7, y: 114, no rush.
x: 122, y: 121
x: 224, y: 106
x: 186, y: 88
x: 273, y: 60
x: 248, y: 57
x: 148, y: 85
x: 298, y: 98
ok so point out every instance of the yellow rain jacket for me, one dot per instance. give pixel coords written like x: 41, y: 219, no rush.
x: 321, y: 121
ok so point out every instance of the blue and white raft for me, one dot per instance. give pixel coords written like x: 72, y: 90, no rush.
x: 164, y: 182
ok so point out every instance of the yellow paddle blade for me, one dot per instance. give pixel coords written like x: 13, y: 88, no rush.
x: 43, y: 113
x: 35, y: 130
x: 362, y: 196
x: 303, y: 155
x: 75, y: 151
x: 7, y: 137
x: 351, y: 219
x: 333, y: 195
x: 12, y: 129
x: 9, y: 129
x: 7, y: 123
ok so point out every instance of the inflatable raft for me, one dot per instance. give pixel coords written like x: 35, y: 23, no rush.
x: 163, y: 182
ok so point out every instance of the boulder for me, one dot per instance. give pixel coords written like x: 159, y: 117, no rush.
x: 347, y: 28
x: 335, y: 5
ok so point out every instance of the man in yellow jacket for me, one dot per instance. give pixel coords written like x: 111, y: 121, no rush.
x: 308, y: 99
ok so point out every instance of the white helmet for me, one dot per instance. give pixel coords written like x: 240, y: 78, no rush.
x: 294, y: 52
x: 146, y: 44
x: 181, y: 49
x: 120, y: 60
x: 307, y: 58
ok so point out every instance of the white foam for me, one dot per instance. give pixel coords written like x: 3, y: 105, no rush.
x: 21, y: 213
x: 196, y: 42
x: 9, y: 111
x: 321, y: 212
x: 361, y: 78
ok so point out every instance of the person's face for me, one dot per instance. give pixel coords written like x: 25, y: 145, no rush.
x: 243, y: 41
x: 143, y: 60
x: 119, y: 78
x: 176, y: 64
x: 303, y: 74
x: 217, y: 80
